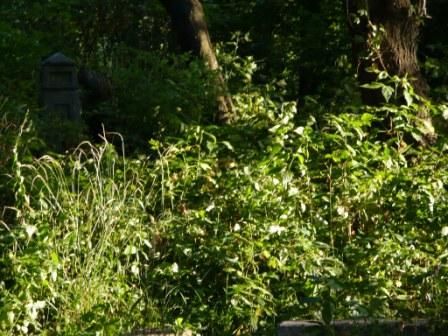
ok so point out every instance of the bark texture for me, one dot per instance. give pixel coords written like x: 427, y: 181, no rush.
x: 397, y: 52
x: 394, y: 49
x: 188, y: 21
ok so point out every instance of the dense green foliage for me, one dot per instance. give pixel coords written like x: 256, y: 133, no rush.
x: 310, y: 205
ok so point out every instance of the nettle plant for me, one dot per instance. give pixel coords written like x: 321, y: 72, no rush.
x: 381, y: 188
x: 302, y: 219
x: 229, y: 230
x: 236, y: 250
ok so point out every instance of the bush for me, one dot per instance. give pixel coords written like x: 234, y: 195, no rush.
x: 229, y: 230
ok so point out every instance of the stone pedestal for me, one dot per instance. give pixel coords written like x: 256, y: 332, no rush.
x: 357, y: 328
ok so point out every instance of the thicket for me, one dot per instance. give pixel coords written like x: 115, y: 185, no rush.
x: 310, y: 205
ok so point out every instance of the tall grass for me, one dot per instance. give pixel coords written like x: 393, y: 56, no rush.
x: 74, y: 252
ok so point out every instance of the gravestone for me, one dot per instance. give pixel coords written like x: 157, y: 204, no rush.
x: 59, y: 89
x: 159, y: 332
x: 358, y: 328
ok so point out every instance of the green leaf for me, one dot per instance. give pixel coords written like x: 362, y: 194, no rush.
x: 387, y: 92
x: 372, y: 86
x: 228, y: 145
x: 445, y: 231
x: 408, y: 98
x: 367, y: 118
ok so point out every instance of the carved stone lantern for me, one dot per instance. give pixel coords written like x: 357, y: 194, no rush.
x: 59, y: 89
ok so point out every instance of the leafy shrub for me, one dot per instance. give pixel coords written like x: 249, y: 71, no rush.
x: 234, y: 247
x: 229, y: 230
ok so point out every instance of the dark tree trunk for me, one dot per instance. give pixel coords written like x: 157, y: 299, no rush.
x: 188, y: 21
x: 394, y: 51
x: 397, y: 52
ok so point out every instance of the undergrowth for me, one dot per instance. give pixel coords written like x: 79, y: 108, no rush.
x: 230, y: 230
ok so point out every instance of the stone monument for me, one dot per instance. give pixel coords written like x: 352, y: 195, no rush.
x: 59, y: 89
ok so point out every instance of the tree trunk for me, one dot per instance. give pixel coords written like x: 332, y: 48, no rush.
x: 188, y: 21
x: 396, y: 51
